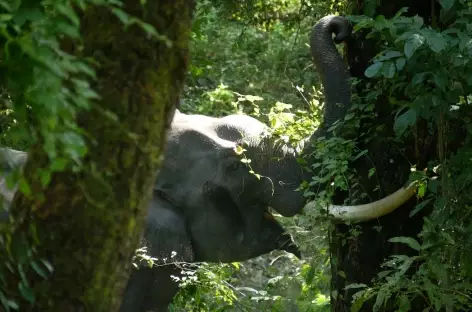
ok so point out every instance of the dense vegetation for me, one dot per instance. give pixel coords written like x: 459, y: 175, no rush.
x: 252, y: 57
x: 262, y: 67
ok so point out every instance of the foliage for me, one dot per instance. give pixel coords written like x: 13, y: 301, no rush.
x: 266, y: 14
x: 251, y: 57
x: 41, y: 108
x: 437, y: 91
x: 242, y: 69
x: 247, y: 61
x: 44, y: 85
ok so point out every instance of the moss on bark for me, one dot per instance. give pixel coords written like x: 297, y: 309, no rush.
x: 90, y: 222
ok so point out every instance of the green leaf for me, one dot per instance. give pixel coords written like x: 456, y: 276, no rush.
x: 36, y: 267
x: 382, y: 297
x: 5, y: 17
x: 12, y: 304
x: 389, y: 55
x: 68, y: 30
x: 373, y: 69
x: 447, y: 4
x: 436, y: 42
x: 391, y: 71
x: 371, y: 172
x: 27, y: 14
x: 122, y: 15
x: 7, y: 6
x: 361, y: 153
x: 24, y: 187
x: 58, y: 164
x: 45, y: 177
x: 19, y: 248
x: 419, y: 207
x: 4, y: 301
x: 67, y: 11
x: 258, y: 176
x: 47, y: 265
x: 355, y: 285
x: 403, y: 121
x: 412, y: 44
x: 400, y: 63
x: 400, y: 12
x: 26, y: 292
x: 406, y: 240
x: 440, y: 81
x: 237, y: 265
x: 404, y: 305
x: 359, y: 299
x: 148, y: 28
x: 421, y: 190
x: 418, y: 78
x: 433, y: 186
x: 388, y: 69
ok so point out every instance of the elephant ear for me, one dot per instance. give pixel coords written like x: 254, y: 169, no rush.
x: 152, y: 289
x: 166, y: 230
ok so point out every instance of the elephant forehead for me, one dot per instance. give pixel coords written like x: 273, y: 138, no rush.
x: 197, y: 139
x: 185, y: 147
x: 192, y: 157
x: 237, y: 127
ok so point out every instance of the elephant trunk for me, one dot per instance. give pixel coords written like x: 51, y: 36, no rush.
x: 334, y: 75
x: 333, y: 71
x: 286, y: 173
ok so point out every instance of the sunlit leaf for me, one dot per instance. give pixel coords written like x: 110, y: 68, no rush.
x: 412, y: 44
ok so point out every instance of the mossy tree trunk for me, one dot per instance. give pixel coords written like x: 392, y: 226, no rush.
x: 357, y: 258
x: 90, y: 222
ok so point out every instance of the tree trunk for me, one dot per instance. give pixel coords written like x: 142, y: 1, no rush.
x: 90, y: 222
x: 357, y: 258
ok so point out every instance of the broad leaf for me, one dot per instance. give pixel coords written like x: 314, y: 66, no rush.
x: 413, y: 243
x: 412, y: 44
x: 373, y: 69
x: 405, y: 120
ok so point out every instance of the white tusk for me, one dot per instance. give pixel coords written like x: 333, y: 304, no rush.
x: 366, y: 212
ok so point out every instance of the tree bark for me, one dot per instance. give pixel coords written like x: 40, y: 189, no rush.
x: 357, y: 258
x: 90, y: 222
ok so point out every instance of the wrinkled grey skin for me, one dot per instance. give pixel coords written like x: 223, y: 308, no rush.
x: 206, y: 203
x: 167, y: 231
x: 200, y: 157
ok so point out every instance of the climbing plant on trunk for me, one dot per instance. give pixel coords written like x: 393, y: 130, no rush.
x: 79, y: 215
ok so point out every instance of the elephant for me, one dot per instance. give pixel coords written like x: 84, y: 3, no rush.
x: 202, y: 157
x: 215, y: 207
x: 165, y: 232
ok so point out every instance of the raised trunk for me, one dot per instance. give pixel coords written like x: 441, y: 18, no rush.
x: 332, y: 69
x: 287, y: 174
x: 90, y: 222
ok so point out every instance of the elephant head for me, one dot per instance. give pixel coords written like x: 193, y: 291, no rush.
x: 279, y: 163
x: 225, y: 203
x: 167, y: 230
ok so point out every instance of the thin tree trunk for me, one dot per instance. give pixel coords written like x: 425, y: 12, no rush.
x: 90, y: 222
